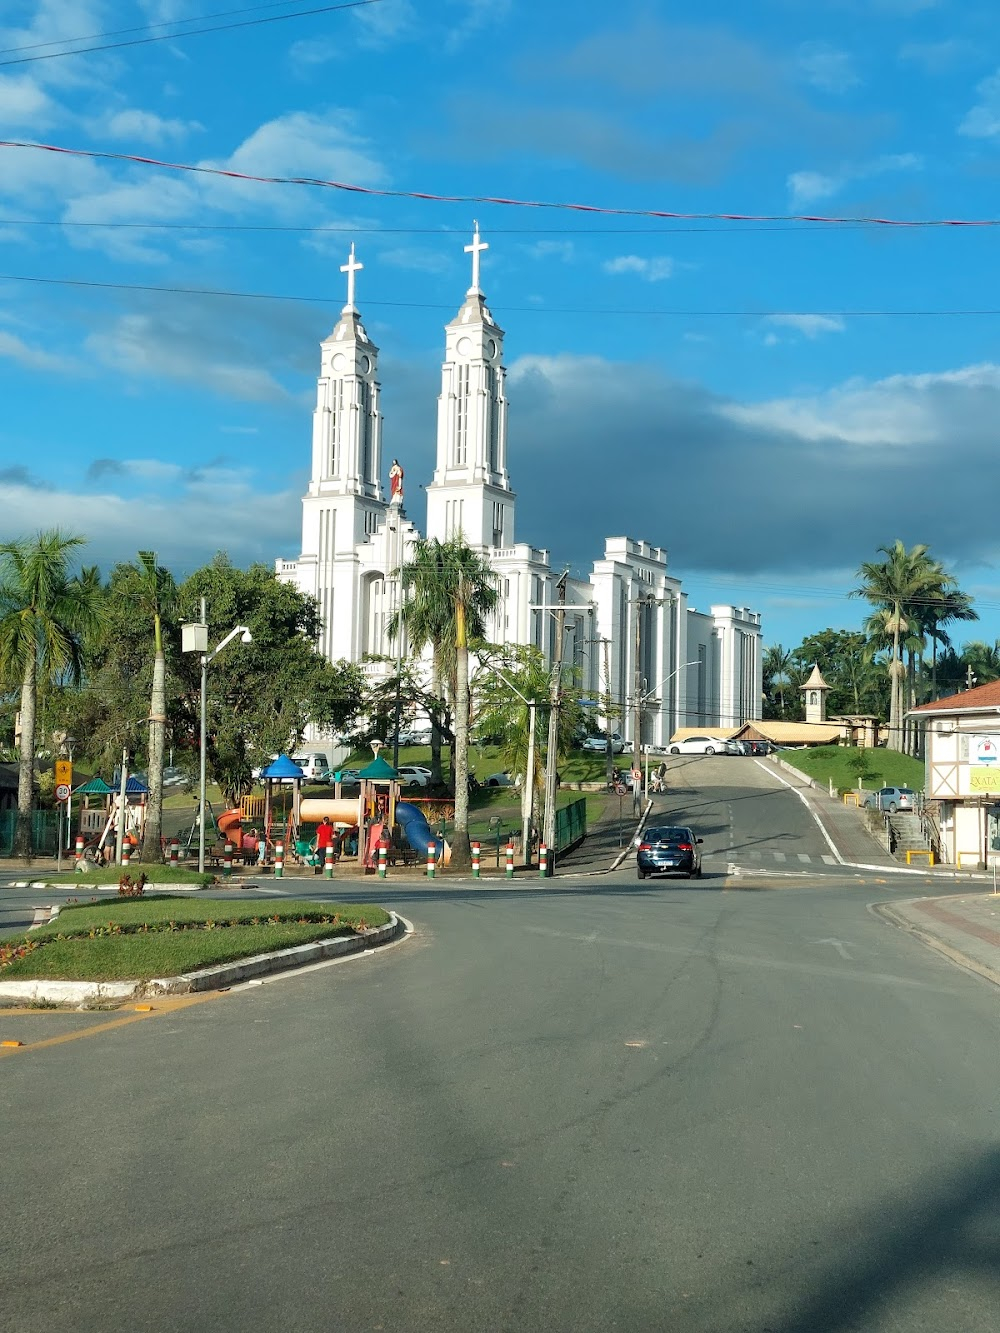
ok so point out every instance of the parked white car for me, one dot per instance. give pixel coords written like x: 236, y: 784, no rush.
x: 599, y: 744
x: 414, y: 775
x: 702, y: 745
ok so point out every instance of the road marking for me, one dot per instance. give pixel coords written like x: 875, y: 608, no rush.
x: 169, y: 1006
x: 850, y: 975
x: 839, y: 945
x: 812, y: 813
x: 829, y: 861
x: 780, y: 856
x: 804, y: 857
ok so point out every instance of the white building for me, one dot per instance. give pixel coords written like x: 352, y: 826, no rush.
x: 629, y: 626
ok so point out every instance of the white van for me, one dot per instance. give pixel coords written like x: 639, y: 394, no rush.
x: 313, y: 764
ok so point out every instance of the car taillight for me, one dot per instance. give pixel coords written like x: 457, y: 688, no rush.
x: 684, y: 847
x: 644, y: 847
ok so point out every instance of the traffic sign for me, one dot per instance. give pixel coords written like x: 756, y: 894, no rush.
x: 62, y: 791
x: 64, y: 773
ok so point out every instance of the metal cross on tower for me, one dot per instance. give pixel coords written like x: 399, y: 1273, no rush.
x: 351, y: 268
x: 476, y: 249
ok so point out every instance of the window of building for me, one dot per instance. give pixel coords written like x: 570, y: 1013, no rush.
x: 336, y: 420
x: 365, y: 430
x: 461, y: 415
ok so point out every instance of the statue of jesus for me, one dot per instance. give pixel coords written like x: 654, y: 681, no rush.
x: 395, y: 483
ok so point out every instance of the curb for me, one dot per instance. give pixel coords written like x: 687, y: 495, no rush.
x: 888, y: 913
x: 209, y: 978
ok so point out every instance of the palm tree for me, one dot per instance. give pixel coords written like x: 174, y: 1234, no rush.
x: 152, y: 594
x: 949, y: 605
x: 894, y: 586
x: 777, y: 667
x: 45, y: 613
x: 452, y: 590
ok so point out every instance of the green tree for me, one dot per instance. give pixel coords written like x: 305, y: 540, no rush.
x: 894, y: 586
x: 451, y: 590
x: 262, y: 695
x: 45, y: 612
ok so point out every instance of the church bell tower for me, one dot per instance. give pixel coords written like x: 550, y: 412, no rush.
x: 471, y: 491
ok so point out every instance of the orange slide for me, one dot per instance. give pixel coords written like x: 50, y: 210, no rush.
x: 229, y: 826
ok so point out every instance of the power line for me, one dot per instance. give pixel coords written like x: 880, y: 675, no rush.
x: 142, y: 27
x: 427, y: 196
x: 191, y: 32
x: 624, y: 312
x: 356, y: 230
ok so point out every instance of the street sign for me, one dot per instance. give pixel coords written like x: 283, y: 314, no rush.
x: 64, y: 773
x: 62, y: 791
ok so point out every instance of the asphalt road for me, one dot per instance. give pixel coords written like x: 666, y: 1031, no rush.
x: 592, y: 1104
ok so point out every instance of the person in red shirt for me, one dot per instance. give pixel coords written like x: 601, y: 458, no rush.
x: 324, y: 839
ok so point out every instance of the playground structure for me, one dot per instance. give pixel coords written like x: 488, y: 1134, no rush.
x: 97, y: 815
x: 360, y: 823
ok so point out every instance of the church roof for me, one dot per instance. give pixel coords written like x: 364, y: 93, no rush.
x: 815, y: 681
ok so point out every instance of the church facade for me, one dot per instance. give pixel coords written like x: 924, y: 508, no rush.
x: 629, y: 631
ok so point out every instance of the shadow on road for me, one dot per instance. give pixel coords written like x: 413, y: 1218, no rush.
x: 950, y: 1232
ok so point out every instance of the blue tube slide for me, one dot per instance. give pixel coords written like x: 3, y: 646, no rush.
x: 416, y: 829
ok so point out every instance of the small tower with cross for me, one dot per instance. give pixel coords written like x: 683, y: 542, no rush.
x: 815, y: 691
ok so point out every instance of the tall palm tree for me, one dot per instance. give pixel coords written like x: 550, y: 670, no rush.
x: 948, y: 605
x: 452, y: 590
x: 45, y: 612
x: 893, y: 586
x: 153, y: 596
x: 777, y: 665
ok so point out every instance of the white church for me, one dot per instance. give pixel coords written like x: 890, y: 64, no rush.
x: 629, y: 628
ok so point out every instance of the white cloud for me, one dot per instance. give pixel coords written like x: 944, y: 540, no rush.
x: 31, y: 358
x: 146, y: 126
x: 650, y: 270
x: 827, y: 68
x: 937, y: 57
x: 563, y: 250
x: 899, y: 411
x: 416, y: 259
x: 810, y: 326
x: 809, y: 187
x: 983, y: 120
x: 24, y: 103
x: 251, y: 525
x: 143, y: 347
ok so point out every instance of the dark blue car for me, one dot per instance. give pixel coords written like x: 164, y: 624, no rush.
x: 669, y: 850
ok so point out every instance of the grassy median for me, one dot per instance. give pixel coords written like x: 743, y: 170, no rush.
x: 140, y: 938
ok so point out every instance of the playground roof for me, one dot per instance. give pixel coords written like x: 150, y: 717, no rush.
x: 95, y: 787
x: 379, y: 771
x: 282, y: 767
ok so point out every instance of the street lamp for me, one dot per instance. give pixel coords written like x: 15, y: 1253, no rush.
x: 649, y: 694
x: 197, y: 641
x: 528, y: 790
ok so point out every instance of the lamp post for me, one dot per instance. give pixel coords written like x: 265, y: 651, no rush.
x: 197, y: 641
x: 644, y: 698
x: 528, y: 790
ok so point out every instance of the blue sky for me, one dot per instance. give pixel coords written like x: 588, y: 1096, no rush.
x: 770, y: 401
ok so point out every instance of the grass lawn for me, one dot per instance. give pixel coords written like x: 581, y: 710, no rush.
x: 886, y: 767
x: 140, y: 938
x: 160, y: 873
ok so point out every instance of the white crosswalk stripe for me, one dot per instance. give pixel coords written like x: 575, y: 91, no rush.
x: 780, y: 856
x: 804, y: 857
x: 829, y: 860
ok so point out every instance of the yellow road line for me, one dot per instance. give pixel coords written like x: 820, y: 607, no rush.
x: 163, y: 1007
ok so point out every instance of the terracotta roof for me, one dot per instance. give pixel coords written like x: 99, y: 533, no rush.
x: 980, y: 696
x: 804, y: 733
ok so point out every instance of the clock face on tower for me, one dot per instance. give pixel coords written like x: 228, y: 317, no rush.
x: 491, y: 348
x: 365, y: 364
x: 463, y: 346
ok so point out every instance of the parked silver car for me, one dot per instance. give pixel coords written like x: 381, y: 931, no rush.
x: 892, y: 799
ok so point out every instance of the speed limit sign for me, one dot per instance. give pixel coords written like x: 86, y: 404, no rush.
x: 62, y: 792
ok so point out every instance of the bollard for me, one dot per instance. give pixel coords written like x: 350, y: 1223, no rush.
x: 175, y: 852
x: 79, y: 849
x: 279, y: 860
x: 543, y: 860
x: 510, y: 860
x: 126, y: 852
x: 431, y: 860
x: 383, y: 859
x: 227, y: 860
x: 475, y: 860
x: 328, y: 863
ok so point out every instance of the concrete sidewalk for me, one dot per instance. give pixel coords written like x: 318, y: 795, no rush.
x: 966, y: 929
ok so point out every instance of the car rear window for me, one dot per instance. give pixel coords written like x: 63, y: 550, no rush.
x: 667, y: 835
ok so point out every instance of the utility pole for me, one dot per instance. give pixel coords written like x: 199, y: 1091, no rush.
x: 970, y: 677
x: 555, y: 691
x: 640, y: 602
x: 609, y: 752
